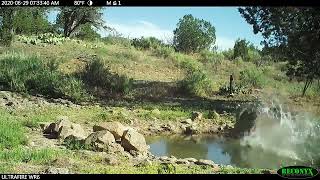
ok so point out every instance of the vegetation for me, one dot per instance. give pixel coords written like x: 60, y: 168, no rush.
x: 193, y: 35
x: 144, y: 78
x: 293, y: 31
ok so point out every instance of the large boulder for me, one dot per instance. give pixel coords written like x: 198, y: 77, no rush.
x: 64, y: 128
x: 116, y: 128
x: 103, y: 137
x: 132, y: 140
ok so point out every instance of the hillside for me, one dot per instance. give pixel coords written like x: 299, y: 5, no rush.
x: 152, y: 90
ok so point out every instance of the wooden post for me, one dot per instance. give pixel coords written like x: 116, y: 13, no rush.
x: 231, y: 82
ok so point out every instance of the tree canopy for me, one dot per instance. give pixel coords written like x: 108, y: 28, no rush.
x: 294, y: 32
x: 193, y: 34
x: 70, y: 19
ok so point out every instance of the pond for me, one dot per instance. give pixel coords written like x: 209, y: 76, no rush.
x: 221, y: 150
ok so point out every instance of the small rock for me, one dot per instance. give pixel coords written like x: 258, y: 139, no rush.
x: 192, y: 160
x: 205, y: 162
x: 53, y: 170
x: 215, y: 115
x: 182, y: 161
x: 196, y: 116
x: 187, y: 121
x: 111, y: 160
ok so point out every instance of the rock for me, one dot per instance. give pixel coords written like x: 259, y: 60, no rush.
x: 187, y: 121
x: 71, y: 129
x: 192, y: 160
x: 112, y: 160
x: 182, y: 161
x: 196, y: 116
x: 53, y: 170
x: 132, y: 140
x: 116, y: 128
x: 114, y: 147
x: 103, y: 137
x: 192, y: 129
x: 205, y: 162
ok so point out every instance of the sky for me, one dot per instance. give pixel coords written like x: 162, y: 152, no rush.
x: 159, y: 22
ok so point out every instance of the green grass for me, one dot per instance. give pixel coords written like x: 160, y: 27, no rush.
x: 30, y: 74
x: 22, y: 154
x: 11, y: 132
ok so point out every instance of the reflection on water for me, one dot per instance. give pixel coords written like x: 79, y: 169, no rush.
x: 219, y: 149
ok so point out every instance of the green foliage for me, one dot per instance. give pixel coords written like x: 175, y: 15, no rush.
x: 291, y: 33
x: 196, y: 83
x: 6, y: 25
x: 252, y: 78
x: 46, y: 38
x: 97, y: 75
x: 164, y: 51
x: 211, y: 57
x: 32, y: 75
x: 11, y: 132
x: 74, y: 144
x: 117, y: 40
x: 23, y: 155
x: 146, y: 43
x: 87, y: 33
x: 166, y: 169
x: 31, y: 21
x: 71, y: 18
x: 241, y: 49
x: 229, y: 54
x: 193, y: 34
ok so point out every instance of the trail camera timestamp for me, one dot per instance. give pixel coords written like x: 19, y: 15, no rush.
x: 29, y: 3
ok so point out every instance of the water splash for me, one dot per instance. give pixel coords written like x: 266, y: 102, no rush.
x: 289, y: 134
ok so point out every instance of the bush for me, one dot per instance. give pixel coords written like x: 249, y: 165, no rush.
x: 252, y: 77
x: 32, y: 75
x: 163, y: 51
x: 97, y: 75
x: 211, y: 57
x: 146, y: 43
x: 196, y: 83
x: 116, y: 40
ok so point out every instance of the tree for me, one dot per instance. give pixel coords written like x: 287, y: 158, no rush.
x: 241, y: 49
x: 294, y: 31
x: 87, y: 33
x: 31, y: 20
x: 6, y: 25
x: 193, y: 34
x: 71, y: 18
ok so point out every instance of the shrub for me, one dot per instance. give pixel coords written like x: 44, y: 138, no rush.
x: 146, y: 43
x: 32, y: 75
x: 97, y: 75
x: 117, y: 40
x: 163, y: 51
x: 252, y: 77
x: 211, y: 57
x: 197, y: 83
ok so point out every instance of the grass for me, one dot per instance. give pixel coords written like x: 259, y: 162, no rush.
x: 11, y: 132
x: 34, y: 156
x: 30, y: 74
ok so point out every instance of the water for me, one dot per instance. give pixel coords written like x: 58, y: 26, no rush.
x: 281, y: 138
